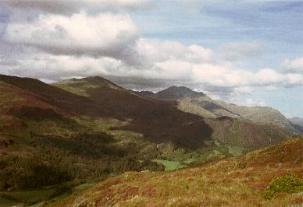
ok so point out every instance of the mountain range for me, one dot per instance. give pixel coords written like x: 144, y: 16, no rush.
x: 201, y: 104
x: 82, y: 130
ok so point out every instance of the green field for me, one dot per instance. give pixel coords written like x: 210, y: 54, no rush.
x: 170, y: 165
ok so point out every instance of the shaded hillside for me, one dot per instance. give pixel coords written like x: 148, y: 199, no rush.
x: 49, y: 136
x: 91, y: 128
x: 200, y: 104
x: 148, y: 111
x: 156, y: 120
x: 262, y: 115
x: 269, y: 177
x: 243, y: 133
x: 228, y: 127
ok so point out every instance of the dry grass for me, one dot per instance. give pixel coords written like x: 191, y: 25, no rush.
x: 232, y: 182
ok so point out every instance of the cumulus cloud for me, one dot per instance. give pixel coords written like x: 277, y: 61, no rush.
x: 196, y: 68
x: 56, y: 46
x: 74, y: 6
x: 295, y: 65
x: 102, y: 35
x: 57, y: 67
x: 156, y: 50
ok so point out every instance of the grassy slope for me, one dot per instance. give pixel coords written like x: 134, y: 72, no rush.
x: 228, y: 127
x: 241, y: 181
x: 261, y: 115
x: 49, y: 136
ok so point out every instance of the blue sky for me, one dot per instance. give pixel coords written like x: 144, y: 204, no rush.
x: 249, y: 51
x: 273, y: 24
x: 276, y: 24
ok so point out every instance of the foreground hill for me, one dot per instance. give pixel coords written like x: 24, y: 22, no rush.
x: 268, y: 177
x: 200, y: 104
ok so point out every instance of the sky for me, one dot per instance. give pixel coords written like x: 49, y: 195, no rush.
x: 249, y: 52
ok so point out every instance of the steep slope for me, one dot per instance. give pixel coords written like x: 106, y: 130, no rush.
x: 157, y: 120
x: 269, y: 177
x: 49, y: 136
x: 88, y: 129
x: 148, y: 111
x: 262, y: 115
x: 199, y: 103
x: 245, y: 134
x: 174, y: 93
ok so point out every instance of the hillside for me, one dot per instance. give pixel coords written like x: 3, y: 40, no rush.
x: 165, y: 116
x: 49, y: 135
x: 200, y: 104
x: 268, y: 177
x: 56, y: 137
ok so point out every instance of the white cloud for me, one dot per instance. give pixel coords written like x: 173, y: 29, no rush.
x: 82, y: 44
x: 248, y: 102
x: 56, y: 67
x: 159, y: 51
x: 295, y: 65
x: 80, y: 34
x: 164, y: 60
x: 75, y: 6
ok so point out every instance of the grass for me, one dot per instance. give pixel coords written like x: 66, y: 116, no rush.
x: 170, y: 165
x: 236, y: 151
x: 79, y: 88
x: 284, y: 184
x: 239, y: 181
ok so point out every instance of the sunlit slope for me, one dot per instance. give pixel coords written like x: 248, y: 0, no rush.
x: 269, y: 177
x: 200, y: 104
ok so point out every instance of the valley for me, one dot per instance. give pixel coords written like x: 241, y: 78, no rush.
x: 60, y: 139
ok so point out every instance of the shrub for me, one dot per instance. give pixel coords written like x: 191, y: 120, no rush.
x: 284, y: 184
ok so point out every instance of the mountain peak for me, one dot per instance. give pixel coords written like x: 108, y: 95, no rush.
x: 177, y: 92
x: 91, y: 82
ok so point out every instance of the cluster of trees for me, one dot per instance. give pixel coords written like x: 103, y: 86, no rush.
x: 55, y: 160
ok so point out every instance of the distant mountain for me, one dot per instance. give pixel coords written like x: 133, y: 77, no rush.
x: 297, y: 122
x: 175, y: 93
x: 164, y: 115
x: 200, y: 104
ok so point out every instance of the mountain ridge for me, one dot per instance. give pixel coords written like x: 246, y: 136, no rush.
x: 91, y: 128
x: 200, y: 104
